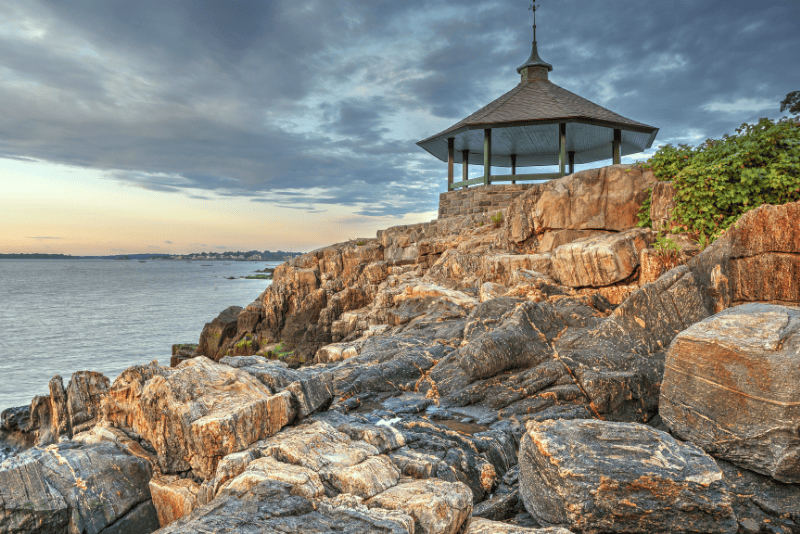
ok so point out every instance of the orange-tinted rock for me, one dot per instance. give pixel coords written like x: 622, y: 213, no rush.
x: 478, y: 525
x: 173, y: 497
x: 197, y: 413
x: 608, y: 198
x: 662, y: 202
x: 601, y: 260
x: 732, y: 386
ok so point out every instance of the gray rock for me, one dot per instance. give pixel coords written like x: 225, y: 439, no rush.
x: 732, y: 384
x: 29, y: 503
x: 594, y: 476
x: 71, y: 488
x: 141, y: 520
x: 762, y: 504
x: 15, y: 419
x: 312, y: 393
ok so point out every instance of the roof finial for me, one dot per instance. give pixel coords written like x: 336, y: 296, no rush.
x: 534, y: 60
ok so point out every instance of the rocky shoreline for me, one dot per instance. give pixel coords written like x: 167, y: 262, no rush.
x: 555, y: 373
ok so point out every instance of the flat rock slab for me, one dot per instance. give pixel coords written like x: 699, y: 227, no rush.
x: 732, y: 386
x: 304, y: 481
x: 594, y: 476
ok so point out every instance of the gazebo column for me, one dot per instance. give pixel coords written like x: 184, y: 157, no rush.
x: 571, y: 161
x: 487, y: 156
x: 465, y: 166
x: 513, y: 167
x: 562, y: 148
x: 616, y: 146
x: 450, y: 159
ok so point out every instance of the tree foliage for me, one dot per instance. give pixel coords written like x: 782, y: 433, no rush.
x: 791, y: 102
x: 719, y: 180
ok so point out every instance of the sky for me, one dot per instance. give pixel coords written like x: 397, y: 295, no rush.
x: 185, y: 126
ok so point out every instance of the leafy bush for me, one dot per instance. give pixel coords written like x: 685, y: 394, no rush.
x: 497, y: 219
x: 716, y: 182
x: 666, y: 247
x: 644, y: 211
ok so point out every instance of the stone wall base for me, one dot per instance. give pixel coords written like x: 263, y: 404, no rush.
x: 480, y: 199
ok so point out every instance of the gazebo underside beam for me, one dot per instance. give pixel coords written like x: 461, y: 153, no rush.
x: 538, y: 144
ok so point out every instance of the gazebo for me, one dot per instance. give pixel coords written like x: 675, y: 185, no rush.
x: 535, y: 124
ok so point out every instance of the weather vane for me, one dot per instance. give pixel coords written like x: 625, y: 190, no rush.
x: 533, y: 8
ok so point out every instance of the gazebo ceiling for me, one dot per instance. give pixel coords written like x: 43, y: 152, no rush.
x: 525, y: 122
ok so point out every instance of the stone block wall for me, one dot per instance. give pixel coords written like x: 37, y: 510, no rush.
x: 480, y: 199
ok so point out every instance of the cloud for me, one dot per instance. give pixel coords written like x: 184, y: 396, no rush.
x: 40, y: 238
x: 168, y: 242
x: 311, y: 104
x: 742, y: 106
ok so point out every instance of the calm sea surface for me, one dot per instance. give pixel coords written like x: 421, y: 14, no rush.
x: 62, y: 316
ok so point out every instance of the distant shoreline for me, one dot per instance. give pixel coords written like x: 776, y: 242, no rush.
x: 163, y: 257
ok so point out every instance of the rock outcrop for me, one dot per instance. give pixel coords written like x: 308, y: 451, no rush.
x: 385, y: 385
x: 197, y: 413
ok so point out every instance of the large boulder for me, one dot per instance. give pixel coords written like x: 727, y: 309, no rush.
x: 601, y: 260
x: 197, y: 413
x: 608, y: 198
x: 85, y: 392
x: 756, y: 260
x: 596, y: 476
x: 732, y: 386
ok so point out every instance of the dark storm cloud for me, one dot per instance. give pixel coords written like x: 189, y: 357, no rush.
x: 310, y: 104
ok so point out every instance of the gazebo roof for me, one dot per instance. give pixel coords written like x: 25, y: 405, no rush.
x: 525, y: 120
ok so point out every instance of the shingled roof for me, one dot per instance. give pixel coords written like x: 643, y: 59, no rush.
x: 524, y: 121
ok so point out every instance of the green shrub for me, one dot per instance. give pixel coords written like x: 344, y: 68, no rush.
x: 666, y: 247
x: 497, y: 219
x: 644, y: 211
x: 716, y: 182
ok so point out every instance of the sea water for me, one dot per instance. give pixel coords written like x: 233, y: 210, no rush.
x: 62, y: 316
